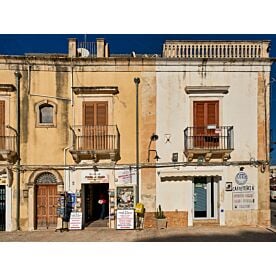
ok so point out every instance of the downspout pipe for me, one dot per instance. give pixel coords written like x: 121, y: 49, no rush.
x: 137, y: 81
x: 17, y: 79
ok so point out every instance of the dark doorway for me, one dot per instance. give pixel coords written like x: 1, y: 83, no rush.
x: 2, y: 207
x: 92, y: 209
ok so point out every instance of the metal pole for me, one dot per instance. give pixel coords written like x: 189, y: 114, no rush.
x: 137, y: 81
x: 18, y: 76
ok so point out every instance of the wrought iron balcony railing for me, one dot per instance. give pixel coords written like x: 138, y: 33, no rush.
x: 96, y: 138
x: 209, y: 138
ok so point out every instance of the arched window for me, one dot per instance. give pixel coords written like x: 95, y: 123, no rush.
x: 45, y: 114
x: 46, y: 178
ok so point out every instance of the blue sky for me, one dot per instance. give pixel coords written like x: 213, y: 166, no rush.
x: 19, y: 44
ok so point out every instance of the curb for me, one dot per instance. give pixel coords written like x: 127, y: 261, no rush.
x: 271, y: 229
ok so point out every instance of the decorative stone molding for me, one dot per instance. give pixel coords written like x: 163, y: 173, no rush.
x: 37, y: 107
x: 7, y: 88
x: 207, y: 89
x: 36, y: 173
x: 94, y: 90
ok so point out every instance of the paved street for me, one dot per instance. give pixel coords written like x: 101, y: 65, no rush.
x: 195, y: 234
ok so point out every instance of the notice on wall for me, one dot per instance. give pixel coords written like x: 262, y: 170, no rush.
x: 75, y: 222
x: 243, y: 201
x: 125, y: 219
x: 126, y: 176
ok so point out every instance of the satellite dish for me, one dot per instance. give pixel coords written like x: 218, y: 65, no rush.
x: 82, y: 52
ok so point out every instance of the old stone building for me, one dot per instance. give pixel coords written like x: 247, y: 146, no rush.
x: 202, y: 107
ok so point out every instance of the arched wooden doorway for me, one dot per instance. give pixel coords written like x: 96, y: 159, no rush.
x: 46, y: 200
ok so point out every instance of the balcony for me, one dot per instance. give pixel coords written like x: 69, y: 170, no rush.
x: 208, y: 142
x: 8, y: 148
x: 95, y: 143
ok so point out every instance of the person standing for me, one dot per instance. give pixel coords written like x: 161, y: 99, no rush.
x: 102, y: 201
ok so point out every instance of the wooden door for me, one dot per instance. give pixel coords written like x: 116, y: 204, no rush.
x: 206, y: 120
x: 46, y: 206
x: 2, y: 124
x: 95, y: 123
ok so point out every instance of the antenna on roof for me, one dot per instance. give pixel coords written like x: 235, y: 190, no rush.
x: 133, y: 54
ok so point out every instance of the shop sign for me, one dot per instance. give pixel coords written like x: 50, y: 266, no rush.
x: 126, y: 176
x: 125, y: 219
x: 75, y: 222
x: 243, y: 201
x: 241, y: 178
x: 94, y: 177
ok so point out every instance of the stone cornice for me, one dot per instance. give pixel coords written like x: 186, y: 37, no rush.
x: 207, y: 89
x: 7, y: 87
x: 93, y: 90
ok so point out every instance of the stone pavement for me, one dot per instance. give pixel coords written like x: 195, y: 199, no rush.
x: 190, y: 234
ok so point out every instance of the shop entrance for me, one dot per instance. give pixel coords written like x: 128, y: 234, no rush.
x: 205, y: 198
x: 2, y: 207
x: 92, y: 209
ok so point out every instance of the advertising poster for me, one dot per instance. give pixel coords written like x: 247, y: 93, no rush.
x: 125, y: 219
x: 125, y: 197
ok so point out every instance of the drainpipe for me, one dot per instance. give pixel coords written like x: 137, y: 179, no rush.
x: 137, y: 81
x: 17, y: 77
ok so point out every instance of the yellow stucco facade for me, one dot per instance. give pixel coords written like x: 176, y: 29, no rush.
x: 57, y: 152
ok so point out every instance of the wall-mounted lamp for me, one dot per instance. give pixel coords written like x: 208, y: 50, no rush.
x: 156, y: 157
x: 153, y: 137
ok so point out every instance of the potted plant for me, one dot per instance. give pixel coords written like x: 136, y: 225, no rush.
x: 161, y: 221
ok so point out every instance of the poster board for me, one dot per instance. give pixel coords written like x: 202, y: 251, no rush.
x: 75, y: 222
x: 125, y: 219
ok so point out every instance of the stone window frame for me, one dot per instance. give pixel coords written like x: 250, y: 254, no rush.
x: 37, y: 111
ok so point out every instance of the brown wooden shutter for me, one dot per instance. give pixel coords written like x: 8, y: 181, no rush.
x: 206, y: 113
x: 212, y: 113
x: 2, y: 118
x: 199, y: 114
x: 101, y: 114
x: 95, y: 113
x: 88, y: 114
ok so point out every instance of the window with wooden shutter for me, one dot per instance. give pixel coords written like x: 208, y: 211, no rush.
x: 206, y: 120
x: 95, y: 113
x: 95, y: 121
